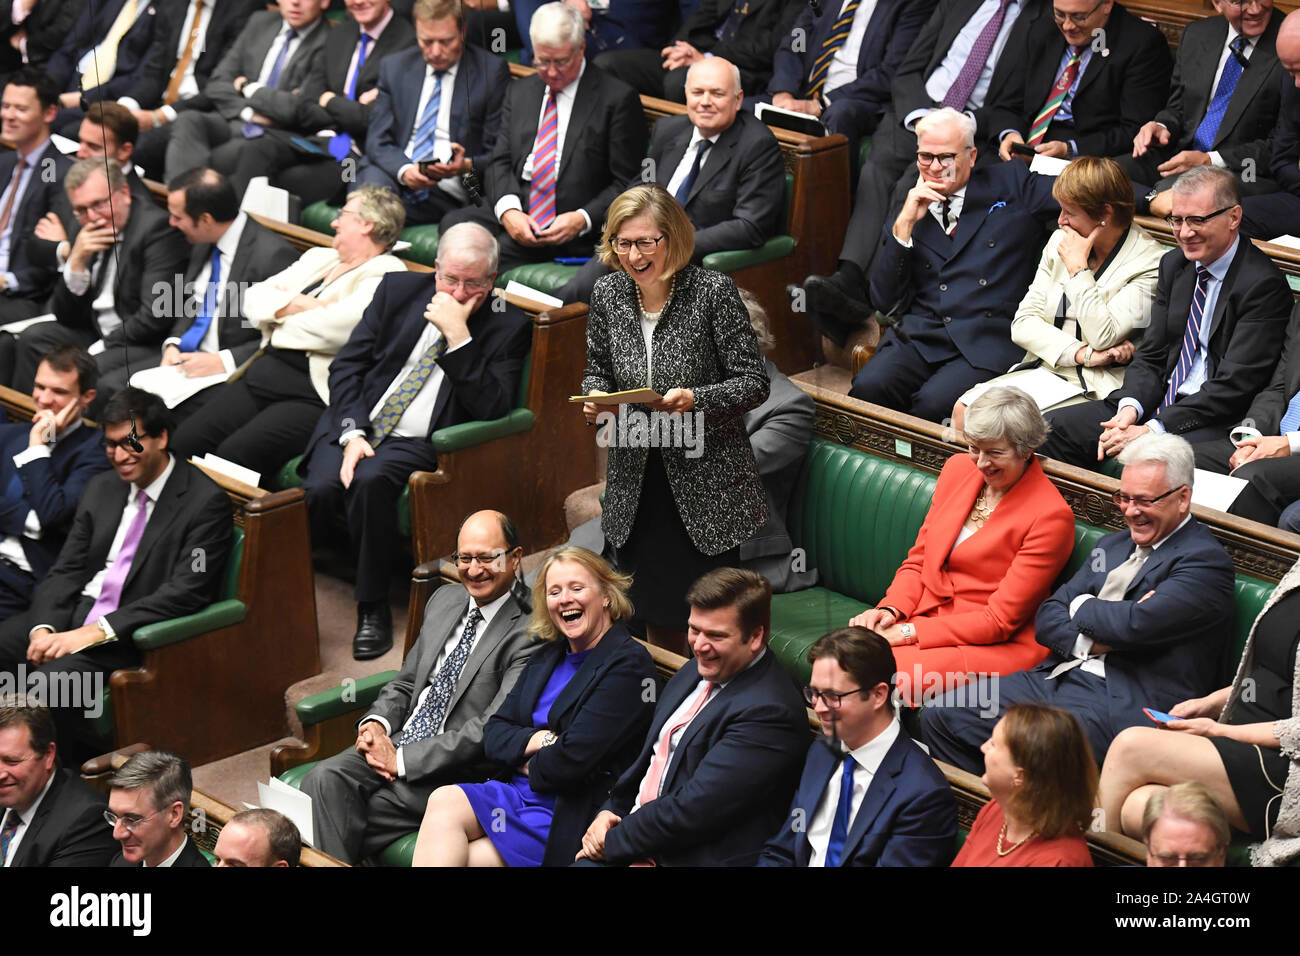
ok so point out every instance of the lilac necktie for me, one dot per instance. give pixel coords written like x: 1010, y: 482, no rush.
x: 962, y: 87
x: 110, y: 593
x: 253, y: 130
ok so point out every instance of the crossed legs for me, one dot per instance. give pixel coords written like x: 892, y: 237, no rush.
x: 450, y: 834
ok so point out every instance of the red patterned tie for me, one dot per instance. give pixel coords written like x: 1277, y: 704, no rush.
x: 541, y: 195
x: 1054, y: 99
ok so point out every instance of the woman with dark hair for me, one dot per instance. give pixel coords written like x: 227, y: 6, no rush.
x: 1042, y: 778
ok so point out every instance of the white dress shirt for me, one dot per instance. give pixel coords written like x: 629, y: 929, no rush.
x: 442, y: 129
x: 281, y: 38
x: 27, y: 819
x: 226, y: 247
x: 844, y: 64
x: 414, y: 422
x: 868, y: 758
x: 688, y: 158
x: 189, y: 86
x: 955, y: 203
x: 104, y: 307
x: 938, y: 83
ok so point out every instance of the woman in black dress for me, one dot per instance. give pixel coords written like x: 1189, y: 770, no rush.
x: 1242, y: 741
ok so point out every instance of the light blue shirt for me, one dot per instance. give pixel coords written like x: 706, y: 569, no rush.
x: 936, y: 87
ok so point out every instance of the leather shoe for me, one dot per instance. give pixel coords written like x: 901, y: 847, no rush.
x: 374, y: 637
x: 832, y: 296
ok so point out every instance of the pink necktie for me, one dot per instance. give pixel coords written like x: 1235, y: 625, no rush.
x: 111, y: 591
x: 650, y: 788
x: 541, y: 195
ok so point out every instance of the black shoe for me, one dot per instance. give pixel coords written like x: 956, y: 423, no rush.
x: 835, y: 295
x: 374, y: 637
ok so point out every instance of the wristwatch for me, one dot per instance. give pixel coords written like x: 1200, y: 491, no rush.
x: 549, y: 739
x: 909, y: 633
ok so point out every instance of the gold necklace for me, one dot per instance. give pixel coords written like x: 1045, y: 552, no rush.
x: 1002, y: 835
x: 981, y: 511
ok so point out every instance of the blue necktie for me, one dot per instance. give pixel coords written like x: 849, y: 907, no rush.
x: 1291, y: 420
x: 427, y: 127
x: 1191, y: 339
x: 426, y: 721
x: 1209, y: 128
x: 193, y: 336
x: 843, y: 810
x: 341, y: 144
x: 684, y: 190
x: 252, y: 130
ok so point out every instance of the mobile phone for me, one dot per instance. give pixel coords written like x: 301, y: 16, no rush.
x: 426, y: 166
x: 1159, y: 716
x: 1020, y: 149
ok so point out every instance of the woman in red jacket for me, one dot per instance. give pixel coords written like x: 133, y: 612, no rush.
x: 996, y: 536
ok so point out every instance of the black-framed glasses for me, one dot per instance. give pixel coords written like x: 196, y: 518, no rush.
x: 1196, y: 222
x: 130, y: 821
x: 832, y: 698
x: 111, y: 446
x: 926, y: 160
x: 1078, y: 19
x: 645, y: 245
x: 492, y: 559
x: 1142, y: 504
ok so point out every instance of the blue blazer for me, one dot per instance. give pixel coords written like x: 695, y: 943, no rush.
x: 50, y: 486
x: 893, y: 26
x: 481, y: 82
x: 599, y: 718
x: 908, y: 815
x: 1168, y: 647
x: 969, y: 285
x: 730, y: 779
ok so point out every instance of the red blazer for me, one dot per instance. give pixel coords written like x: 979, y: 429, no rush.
x: 988, y: 589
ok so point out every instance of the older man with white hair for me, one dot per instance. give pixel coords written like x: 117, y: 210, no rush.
x: 430, y: 351
x: 951, y: 270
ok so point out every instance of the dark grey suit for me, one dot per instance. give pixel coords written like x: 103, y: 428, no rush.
x: 355, y: 812
x: 197, y: 132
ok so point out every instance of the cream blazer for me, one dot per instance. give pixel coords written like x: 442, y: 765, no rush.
x: 318, y: 332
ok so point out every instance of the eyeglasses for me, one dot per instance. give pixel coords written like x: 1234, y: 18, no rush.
x: 1195, y: 222
x: 130, y: 821
x: 832, y: 699
x: 544, y: 63
x: 111, y: 446
x: 493, y: 559
x: 469, y: 285
x: 1183, y: 859
x: 1078, y: 19
x: 646, y: 245
x: 1142, y: 504
x: 96, y: 207
x: 926, y: 160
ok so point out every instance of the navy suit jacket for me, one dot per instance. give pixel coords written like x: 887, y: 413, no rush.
x: 894, y: 24
x: 1246, y: 334
x: 191, y: 856
x: 622, y: 25
x: 908, y: 816
x: 69, y: 828
x: 481, y: 82
x: 43, y: 194
x: 733, y: 770
x: 89, y: 30
x: 51, y: 487
x: 738, y: 199
x: 969, y: 285
x: 482, y: 376
x: 1167, y: 647
x: 1284, y: 145
x: 599, y: 719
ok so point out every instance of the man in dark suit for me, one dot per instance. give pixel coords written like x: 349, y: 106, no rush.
x: 253, y: 84
x: 51, y: 817
x: 105, y: 296
x: 366, y: 797
x: 149, y: 803
x: 209, y: 334
x: 736, y: 195
x: 838, y: 64
x: 718, y: 766
x: 44, y: 465
x: 746, y: 32
x: 429, y: 352
x: 1216, y: 332
x: 1263, y: 452
x: 31, y: 31
x: 1274, y: 214
x: 612, y: 26
x: 30, y: 192
x: 1141, y: 625
x: 1074, y: 100
x: 318, y: 133
x: 869, y: 795
x: 189, y: 41
x: 956, y: 60
x: 147, y: 544
x: 598, y: 143
x: 405, y: 129
x: 952, y: 270
x: 1219, y: 111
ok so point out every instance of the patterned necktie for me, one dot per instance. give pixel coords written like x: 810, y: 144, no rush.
x: 110, y: 592
x: 731, y: 25
x: 426, y: 129
x: 11, y: 825
x: 684, y: 190
x: 8, y: 210
x: 1191, y: 339
x: 433, y: 709
x: 1116, y: 585
x: 397, y: 403
x: 831, y: 46
x: 843, y: 812
x: 945, y: 212
x: 252, y: 130
x: 659, y: 763
x: 341, y: 143
x: 1209, y: 128
x: 100, y: 65
x: 173, y: 91
x: 1054, y: 99
x: 193, y: 336
x: 541, y: 194
x: 959, y: 93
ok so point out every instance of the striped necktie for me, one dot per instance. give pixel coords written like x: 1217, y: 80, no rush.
x: 831, y: 46
x: 253, y: 130
x: 1054, y: 99
x: 1191, y: 339
x: 541, y: 194
x: 426, y: 130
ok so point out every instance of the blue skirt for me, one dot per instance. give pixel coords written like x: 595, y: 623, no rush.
x: 513, y: 817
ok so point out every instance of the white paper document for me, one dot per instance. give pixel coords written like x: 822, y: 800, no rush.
x: 1044, y: 387
x: 292, y: 802
x: 13, y: 328
x: 1047, y: 165
x: 1211, y: 490
x: 172, y: 385
x: 518, y: 290
x: 231, y: 470
x: 1291, y: 242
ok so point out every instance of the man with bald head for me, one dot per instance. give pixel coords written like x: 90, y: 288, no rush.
x: 722, y: 165
x: 258, y: 838
x: 1274, y: 214
x: 426, y: 727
